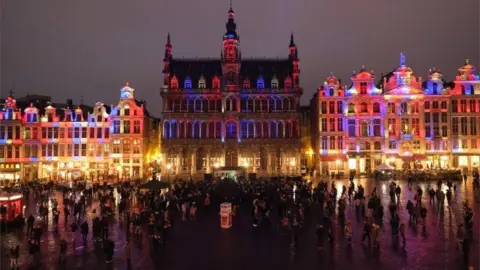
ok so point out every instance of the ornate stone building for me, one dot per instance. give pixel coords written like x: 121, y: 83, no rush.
x: 242, y: 114
x: 402, y: 121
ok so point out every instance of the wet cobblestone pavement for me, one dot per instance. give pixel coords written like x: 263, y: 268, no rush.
x: 202, y: 244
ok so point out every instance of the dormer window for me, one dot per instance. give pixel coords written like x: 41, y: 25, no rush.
x: 331, y: 92
x: 79, y: 117
x: 201, y: 83
x: 246, y: 84
x: 99, y: 118
x: 216, y: 83
x: 363, y: 88
x: 187, y: 84
x: 50, y: 117
x: 435, y: 88
x: 32, y: 118
x: 174, y: 83
x: 68, y: 117
x: 9, y: 114
x: 126, y: 112
x: 274, y: 83
x: 260, y: 83
x: 288, y: 82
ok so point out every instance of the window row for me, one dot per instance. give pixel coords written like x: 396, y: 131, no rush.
x: 214, y: 130
x: 461, y: 107
x: 126, y: 146
x: 462, y: 126
x: 54, y: 150
x: 125, y: 126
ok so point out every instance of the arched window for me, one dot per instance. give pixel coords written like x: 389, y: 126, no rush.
x: 331, y: 92
x: 271, y: 104
x: 363, y: 107
x: 368, y: 147
x: 435, y: 88
x: 249, y: 105
x: 204, y: 105
x: 203, y: 130
x: 181, y: 129
x: 265, y: 133
x: 288, y: 128
x: 279, y: 104
x: 258, y: 129
x: 274, y: 83
x: 198, y: 105
x: 173, y: 130
x: 218, y: 130
x: 260, y: 83
x: 273, y: 130
x: 166, y: 129
x: 293, y: 104
x: 250, y: 129
x: 364, y: 129
x: 228, y: 104
x: 191, y: 105
x: 201, y: 83
x: 187, y: 84
x: 377, y: 146
x: 201, y: 159
x: 351, y: 108
x: 376, y: 107
x: 189, y: 130
x: 234, y: 105
x: 211, y: 130
x: 196, y: 130
x: 174, y: 83
x: 363, y: 88
x: 264, y: 102
x: 257, y: 105
x: 281, y: 129
x: 295, y: 132
x: 231, y: 128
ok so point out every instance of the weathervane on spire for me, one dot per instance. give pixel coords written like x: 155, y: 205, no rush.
x: 403, y: 59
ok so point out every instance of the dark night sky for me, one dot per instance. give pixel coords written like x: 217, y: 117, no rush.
x: 91, y: 47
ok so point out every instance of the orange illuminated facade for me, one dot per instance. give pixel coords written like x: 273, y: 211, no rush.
x: 96, y: 143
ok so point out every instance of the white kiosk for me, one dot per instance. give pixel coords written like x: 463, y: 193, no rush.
x: 225, y: 215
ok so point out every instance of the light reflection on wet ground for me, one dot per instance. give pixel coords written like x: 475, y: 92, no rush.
x: 202, y: 244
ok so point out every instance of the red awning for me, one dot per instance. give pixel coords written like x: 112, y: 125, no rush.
x: 333, y: 158
x: 420, y: 157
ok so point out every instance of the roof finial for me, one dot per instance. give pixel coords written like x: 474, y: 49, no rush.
x: 11, y: 93
x: 81, y: 100
x: 467, y: 61
x: 231, y: 6
x: 168, y: 39
x: 363, y: 67
x: 127, y: 84
x: 403, y: 59
x: 292, y: 41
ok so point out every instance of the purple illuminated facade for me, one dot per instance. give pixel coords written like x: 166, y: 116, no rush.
x: 231, y: 112
x: 402, y: 121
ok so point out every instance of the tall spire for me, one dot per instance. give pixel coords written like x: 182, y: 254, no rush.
x: 403, y: 59
x: 292, y: 41
x: 168, y: 48
x: 231, y: 25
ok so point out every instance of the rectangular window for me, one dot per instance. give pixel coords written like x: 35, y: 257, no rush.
x: 416, y: 145
x: 84, y: 150
x: 339, y: 107
x: 136, y: 126
x: 62, y: 133
x: 463, y: 125
x: 62, y: 150
x: 332, y: 142
x: 76, y: 133
x: 332, y: 124
x: 454, y: 106
x: 455, y: 126
x: 126, y: 146
x: 44, y: 133
x: 444, y: 131
x: 17, y: 133
x: 340, y: 143
x: 126, y: 126
x: 435, y: 118
x: 324, y: 145
x: 443, y: 105
x: 392, y: 145
x: 351, y: 128
x: 76, y: 150
x: 444, y: 117
x: 116, y: 126
x: 70, y: 133
x: 84, y: 133
x: 376, y: 127
x: 392, y: 127
x: 463, y: 105
x: 69, y: 150
x: 99, y: 132
x: 415, y: 126
x: 331, y: 107
x: 92, y: 133
x: 473, y: 126
x: 324, y: 125
x: 474, y: 144
x: 107, y: 133
x: 428, y: 131
x: 427, y: 117
x: 324, y: 107
x: 339, y: 124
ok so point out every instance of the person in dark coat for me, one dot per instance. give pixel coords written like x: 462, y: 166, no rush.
x: 108, y: 248
x: 320, y: 236
x: 84, y: 229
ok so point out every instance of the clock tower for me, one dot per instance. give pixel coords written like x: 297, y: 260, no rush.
x: 231, y: 54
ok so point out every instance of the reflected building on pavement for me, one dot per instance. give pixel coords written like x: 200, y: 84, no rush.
x: 231, y: 112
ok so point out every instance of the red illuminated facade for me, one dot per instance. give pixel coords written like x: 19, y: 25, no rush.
x: 231, y: 112
x: 402, y: 121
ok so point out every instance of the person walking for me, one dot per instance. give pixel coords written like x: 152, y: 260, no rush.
x: 366, y: 231
x: 14, y: 254
x: 63, y: 250
x: 84, y: 228
x: 108, y: 248
x: 127, y: 252
x: 402, y: 233
x: 320, y: 236
x: 348, y: 232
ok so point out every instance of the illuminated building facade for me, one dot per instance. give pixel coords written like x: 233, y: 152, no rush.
x: 403, y: 121
x: 231, y: 112
x: 96, y: 143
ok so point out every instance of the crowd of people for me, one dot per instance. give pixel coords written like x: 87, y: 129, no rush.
x: 89, y: 211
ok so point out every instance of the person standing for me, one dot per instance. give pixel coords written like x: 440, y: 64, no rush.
x: 127, y: 251
x: 14, y: 254
x: 366, y: 231
x: 108, y: 248
x: 320, y: 236
x: 402, y: 233
x: 84, y: 228
x: 30, y: 222
x: 348, y: 232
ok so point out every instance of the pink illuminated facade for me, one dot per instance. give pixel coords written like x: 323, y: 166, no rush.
x: 96, y: 143
x: 403, y: 121
x: 231, y: 112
